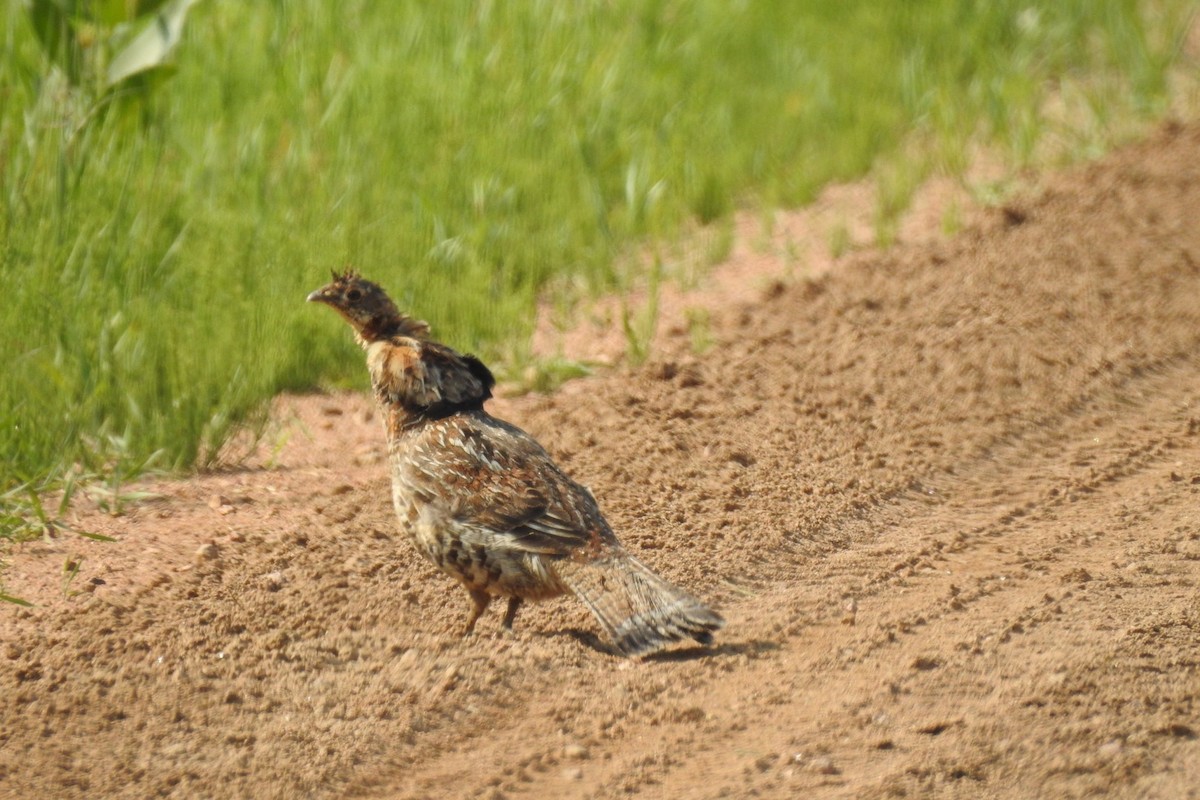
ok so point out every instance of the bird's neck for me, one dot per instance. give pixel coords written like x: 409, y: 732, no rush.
x: 385, y: 328
x: 378, y: 329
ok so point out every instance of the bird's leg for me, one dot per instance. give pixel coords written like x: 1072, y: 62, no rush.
x: 480, y: 600
x: 510, y: 614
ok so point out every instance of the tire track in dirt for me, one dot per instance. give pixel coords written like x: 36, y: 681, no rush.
x: 975, y: 572
x: 1015, y: 568
x: 986, y: 445
x: 989, y: 585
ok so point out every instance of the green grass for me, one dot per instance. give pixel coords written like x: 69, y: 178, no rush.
x: 156, y: 258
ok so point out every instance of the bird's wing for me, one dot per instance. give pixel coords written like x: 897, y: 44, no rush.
x: 426, y: 375
x: 460, y: 379
x: 493, y: 476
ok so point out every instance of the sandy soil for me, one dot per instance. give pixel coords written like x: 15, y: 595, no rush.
x: 947, y: 497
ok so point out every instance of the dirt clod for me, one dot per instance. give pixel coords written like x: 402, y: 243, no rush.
x: 274, y: 581
x: 823, y: 765
x: 207, y: 552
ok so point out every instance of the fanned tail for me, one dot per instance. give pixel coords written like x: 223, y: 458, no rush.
x: 641, y: 612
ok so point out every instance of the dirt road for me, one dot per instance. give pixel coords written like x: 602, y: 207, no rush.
x: 948, y: 499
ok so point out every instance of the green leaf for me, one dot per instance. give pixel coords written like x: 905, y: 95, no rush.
x: 53, y: 24
x: 35, y: 504
x: 111, y: 12
x: 139, y: 495
x: 50, y: 24
x: 150, y: 49
x: 8, y: 598
x: 114, y: 12
x: 99, y: 537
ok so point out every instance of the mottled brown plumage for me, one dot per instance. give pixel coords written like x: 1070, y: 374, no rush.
x: 484, y: 502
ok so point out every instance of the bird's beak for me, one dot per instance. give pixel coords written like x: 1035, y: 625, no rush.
x: 318, y: 296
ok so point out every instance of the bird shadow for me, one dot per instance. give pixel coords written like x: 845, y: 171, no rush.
x: 723, y: 650
x: 691, y: 652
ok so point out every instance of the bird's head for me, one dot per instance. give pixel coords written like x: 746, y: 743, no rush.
x: 368, y: 309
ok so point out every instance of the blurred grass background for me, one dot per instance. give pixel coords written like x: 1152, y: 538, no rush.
x: 465, y: 154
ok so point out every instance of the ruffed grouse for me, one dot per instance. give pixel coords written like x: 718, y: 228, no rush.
x: 484, y: 502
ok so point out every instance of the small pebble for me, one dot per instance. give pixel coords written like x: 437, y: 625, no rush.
x: 575, y: 751
x: 274, y: 581
x: 823, y: 765
x: 850, y: 615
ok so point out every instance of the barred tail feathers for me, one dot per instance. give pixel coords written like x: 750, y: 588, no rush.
x: 640, y: 611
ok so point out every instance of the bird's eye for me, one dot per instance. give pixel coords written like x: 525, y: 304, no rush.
x: 354, y: 295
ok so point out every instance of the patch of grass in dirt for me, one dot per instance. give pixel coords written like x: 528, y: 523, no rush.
x: 156, y: 256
